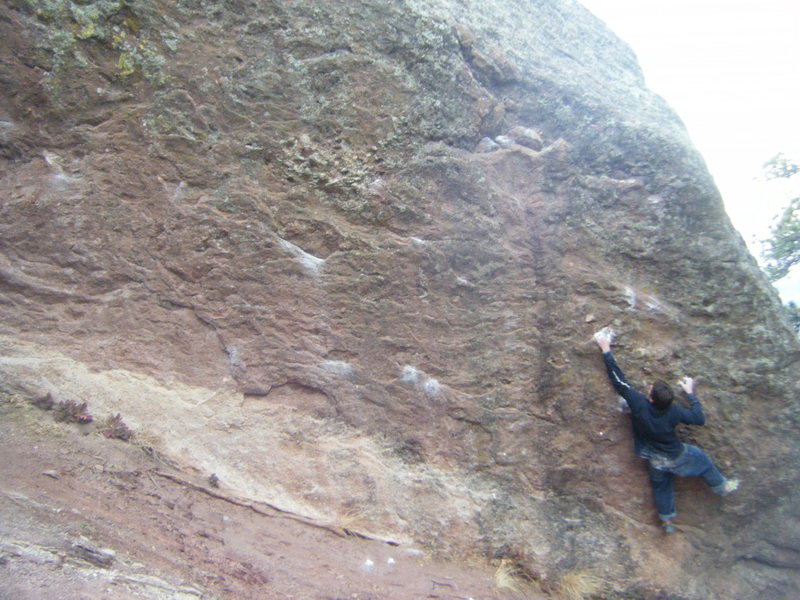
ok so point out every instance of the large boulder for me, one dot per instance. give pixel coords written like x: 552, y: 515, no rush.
x: 349, y: 256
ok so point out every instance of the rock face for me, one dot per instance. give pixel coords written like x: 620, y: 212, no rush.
x: 348, y: 257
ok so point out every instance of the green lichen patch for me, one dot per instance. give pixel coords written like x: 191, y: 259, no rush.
x: 84, y: 20
x: 114, y: 24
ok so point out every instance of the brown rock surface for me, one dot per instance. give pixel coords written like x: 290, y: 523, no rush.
x: 86, y: 517
x: 260, y: 233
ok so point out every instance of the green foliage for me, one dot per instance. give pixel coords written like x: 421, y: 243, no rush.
x: 780, y: 167
x: 782, y: 249
x: 794, y: 315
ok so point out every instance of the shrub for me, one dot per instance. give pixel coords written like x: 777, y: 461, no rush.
x: 114, y: 427
x: 69, y: 411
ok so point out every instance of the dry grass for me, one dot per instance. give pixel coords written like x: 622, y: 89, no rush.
x: 25, y: 414
x: 148, y: 444
x: 355, y: 519
x: 145, y: 439
x: 578, y: 585
x: 508, y: 576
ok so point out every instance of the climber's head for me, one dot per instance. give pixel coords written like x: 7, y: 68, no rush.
x: 660, y: 395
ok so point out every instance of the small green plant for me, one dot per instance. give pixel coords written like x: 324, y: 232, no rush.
x: 69, y: 411
x: 114, y: 427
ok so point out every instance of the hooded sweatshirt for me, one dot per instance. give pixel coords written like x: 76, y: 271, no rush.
x: 653, y: 429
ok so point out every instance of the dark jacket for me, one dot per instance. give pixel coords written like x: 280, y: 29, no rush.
x: 653, y: 429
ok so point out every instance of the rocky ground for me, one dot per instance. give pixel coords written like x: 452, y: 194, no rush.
x: 88, y: 517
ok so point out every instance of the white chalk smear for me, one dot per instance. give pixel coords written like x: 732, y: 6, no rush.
x: 630, y: 296
x: 367, y: 565
x: 427, y: 385
x: 310, y: 263
x: 178, y: 192
x: 409, y: 374
x: 431, y: 387
x: 337, y: 367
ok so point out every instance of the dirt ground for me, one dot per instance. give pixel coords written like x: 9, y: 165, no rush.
x: 82, y: 516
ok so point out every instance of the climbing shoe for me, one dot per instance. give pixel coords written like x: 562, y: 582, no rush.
x: 667, y: 526
x: 731, y: 485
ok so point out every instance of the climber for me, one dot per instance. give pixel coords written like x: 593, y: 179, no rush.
x: 654, y: 419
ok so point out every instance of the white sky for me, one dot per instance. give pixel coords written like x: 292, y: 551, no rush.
x: 731, y: 70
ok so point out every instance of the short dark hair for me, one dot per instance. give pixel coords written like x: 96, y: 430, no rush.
x: 662, y: 395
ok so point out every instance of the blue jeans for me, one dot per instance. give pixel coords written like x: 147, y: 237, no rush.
x: 692, y: 462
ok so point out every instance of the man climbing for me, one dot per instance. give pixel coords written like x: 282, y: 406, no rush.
x: 654, y: 418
